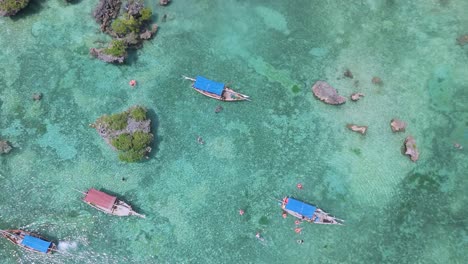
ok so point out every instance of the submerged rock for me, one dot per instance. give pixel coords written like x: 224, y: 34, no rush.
x: 5, y: 147
x: 410, y: 148
x: 164, y: 2
x: 348, y: 74
x: 218, y: 109
x: 327, y: 93
x: 11, y: 7
x: 356, y: 128
x: 376, y: 80
x: 462, y: 40
x: 397, y: 125
x: 37, y: 96
x: 356, y: 96
x: 99, y: 53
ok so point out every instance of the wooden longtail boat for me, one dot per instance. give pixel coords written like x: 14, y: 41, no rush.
x: 216, y: 90
x: 29, y: 241
x: 108, y: 204
x: 307, y: 212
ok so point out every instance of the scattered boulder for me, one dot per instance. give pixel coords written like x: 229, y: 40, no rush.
x: 5, y: 147
x: 11, y: 7
x: 462, y: 40
x: 410, y: 148
x: 164, y: 2
x: 99, y: 53
x: 377, y: 81
x: 356, y: 128
x: 105, y: 12
x: 327, y: 93
x: 348, y: 74
x: 37, y: 96
x: 356, y: 96
x: 397, y: 125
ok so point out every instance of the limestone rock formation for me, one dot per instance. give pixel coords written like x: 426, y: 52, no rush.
x: 105, y: 12
x: 356, y: 128
x: 327, y: 93
x: 5, y: 147
x: 410, y: 148
x: 98, y: 53
x: 128, y: 132
x: 398, y: 125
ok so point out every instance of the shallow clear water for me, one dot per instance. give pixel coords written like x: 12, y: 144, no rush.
x: 396, y: 211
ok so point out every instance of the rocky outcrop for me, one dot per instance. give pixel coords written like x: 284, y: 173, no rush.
x: 462, y: 40
x: 11, y: 7
x: 128, y: 132
x: 327, y: 93
x: 99, y: 53
x: 164, y: 2
x: 356, y: 128
x: 397, y: 125
x: 356, y: 96
x: 105, y: 12
x: 410, y: 148
x: 149, y: 33
x: 5, y: 147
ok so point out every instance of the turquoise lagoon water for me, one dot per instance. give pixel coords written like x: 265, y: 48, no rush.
x: 396, y: 211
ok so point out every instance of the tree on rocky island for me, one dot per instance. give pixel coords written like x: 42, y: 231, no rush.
x: 128, y: 132
x: 131, y: 28
x: 11, y: 7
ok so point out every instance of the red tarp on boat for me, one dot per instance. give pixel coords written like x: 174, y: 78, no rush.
x: 100, y: 199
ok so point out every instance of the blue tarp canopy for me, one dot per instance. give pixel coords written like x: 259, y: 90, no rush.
x: 36, y: 243
x: 301, y: 208
x: 210, y: 86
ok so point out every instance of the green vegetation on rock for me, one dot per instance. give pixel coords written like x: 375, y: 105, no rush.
x: 141, y: 140
x: 123, y: 26
x: 12, y: 5
x: 122, y: 142
x: 126, y: 133
x: 146, y: 14
x: 131, y: 155
x: 116, y: 121
x: 138, y: 113
x: 116, y: 48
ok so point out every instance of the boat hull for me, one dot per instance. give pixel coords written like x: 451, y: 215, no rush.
x: 228, y: 95
x: 16, y: 236
x: 318, y: 217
